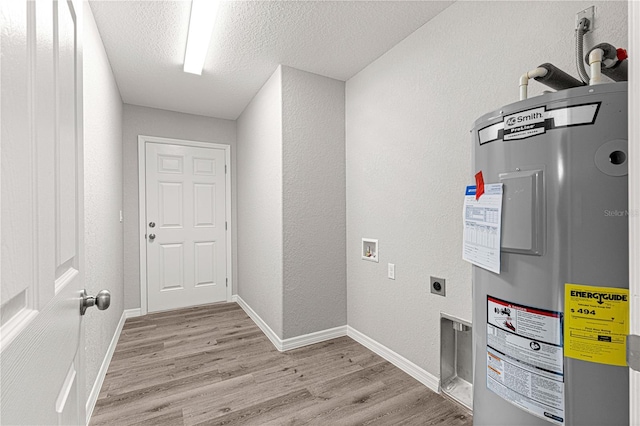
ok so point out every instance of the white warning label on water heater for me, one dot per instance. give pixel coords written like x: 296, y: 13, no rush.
x: 525, y: 357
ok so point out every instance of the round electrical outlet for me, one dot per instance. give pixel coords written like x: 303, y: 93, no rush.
x: 437, y: 286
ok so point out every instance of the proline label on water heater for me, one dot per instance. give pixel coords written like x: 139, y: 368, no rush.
x: 536, y: 121
x: 525, y: 357
x: 524, y: 124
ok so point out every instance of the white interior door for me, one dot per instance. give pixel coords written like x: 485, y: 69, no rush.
x: 185, y: 226
x: 41, y: 213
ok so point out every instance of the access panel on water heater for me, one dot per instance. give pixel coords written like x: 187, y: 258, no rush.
x: 523, y: 212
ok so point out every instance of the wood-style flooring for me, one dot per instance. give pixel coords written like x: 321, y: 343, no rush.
x: 212, y: 365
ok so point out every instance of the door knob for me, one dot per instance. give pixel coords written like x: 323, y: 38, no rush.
x: 102, y: 300
x: 152, y: 237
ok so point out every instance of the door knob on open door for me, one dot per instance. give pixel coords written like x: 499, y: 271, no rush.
x: 102, y: 301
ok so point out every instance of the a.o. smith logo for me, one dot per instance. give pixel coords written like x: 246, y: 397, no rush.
x: 521, y: 119
x: 524, y: 124
x: 525, y: 117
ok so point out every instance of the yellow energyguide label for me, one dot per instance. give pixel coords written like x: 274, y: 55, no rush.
x: 596, y: 323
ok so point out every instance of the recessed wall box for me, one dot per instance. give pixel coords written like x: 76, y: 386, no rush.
x: 369, y: 249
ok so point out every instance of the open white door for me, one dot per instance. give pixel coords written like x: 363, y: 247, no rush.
x: 41, y: 213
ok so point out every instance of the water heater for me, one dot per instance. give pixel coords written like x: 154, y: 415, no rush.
x: 548, y: 329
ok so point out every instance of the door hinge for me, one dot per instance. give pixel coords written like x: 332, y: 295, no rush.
x: 225, y: 169
x: 227, y: 282
x: 633, y: 352
x: 225, y: 226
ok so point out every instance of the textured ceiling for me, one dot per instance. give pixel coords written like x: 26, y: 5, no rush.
x: 145, y: 42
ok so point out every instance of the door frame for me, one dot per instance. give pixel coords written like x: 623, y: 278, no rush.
x: 634, y: 200
x: 142, y: 207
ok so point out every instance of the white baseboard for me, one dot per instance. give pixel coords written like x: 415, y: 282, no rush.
x: 293, y: 342
x: 132, y: 313
x: 97, y: 385
x: 421, y: 375
x: 271, y: 335
x: 312, y: 338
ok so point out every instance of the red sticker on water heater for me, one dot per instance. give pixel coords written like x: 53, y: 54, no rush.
x: 479, y: 184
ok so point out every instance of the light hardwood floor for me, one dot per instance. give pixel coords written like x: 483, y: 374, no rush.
x: 212, y: 365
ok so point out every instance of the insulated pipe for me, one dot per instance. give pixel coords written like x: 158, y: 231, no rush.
x: 618, y: 72
x: 524, y: 80
x: 557, y: 79
x: 609, y: 54
x: 595, y: 62
x: 614, y: 62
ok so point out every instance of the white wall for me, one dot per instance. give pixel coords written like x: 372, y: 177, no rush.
x: 260, y: 240
x: 313, y: 160
x: 408, y: 151
x: 103, y: 197
x: 155, y: 122
x: 291, y: 210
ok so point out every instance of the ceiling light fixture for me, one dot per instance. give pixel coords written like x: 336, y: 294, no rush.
x: 203, y: 17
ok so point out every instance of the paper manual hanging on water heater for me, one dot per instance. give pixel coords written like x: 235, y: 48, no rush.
x: 482, y: 221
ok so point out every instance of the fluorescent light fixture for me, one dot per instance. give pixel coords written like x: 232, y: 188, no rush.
x: 203, y: 17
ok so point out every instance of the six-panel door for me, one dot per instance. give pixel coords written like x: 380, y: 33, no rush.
x: 41, y: 331
x: 185, y: 226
